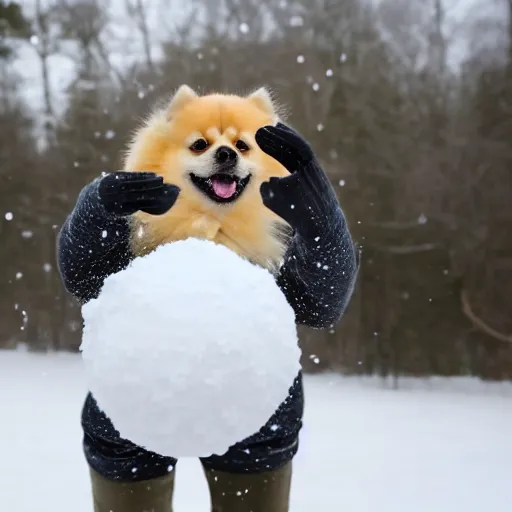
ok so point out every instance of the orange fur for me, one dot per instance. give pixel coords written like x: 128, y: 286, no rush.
x: 245, y: 226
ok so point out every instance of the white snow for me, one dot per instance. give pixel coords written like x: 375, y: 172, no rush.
x: 191, y: 349
x: 440, y: 445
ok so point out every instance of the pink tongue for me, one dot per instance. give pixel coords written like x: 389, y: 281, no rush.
x: 223, y: 189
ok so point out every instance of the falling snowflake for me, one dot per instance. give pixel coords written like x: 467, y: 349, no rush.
x: 110, y: 134
x: 422, y: 219
x: 19, y: 275
x: 34, y: 40
x: 200, y: 56
x: 314, y: 358
x: 27, y: 234
x: 97, y: 135
x: 104, y: 234
x: 244, y: 28
x: 296, y: 21
x: 328, y: 72
x: 141, y: 95
x: 47, y: 267
x: 25, y: 320
x: 9, y: 216
x: 320, y: 127
x: 341, y: 183
x: 343, y: 57
x: 316, y: 86
x: 75, y: 164
x: 300, y: 59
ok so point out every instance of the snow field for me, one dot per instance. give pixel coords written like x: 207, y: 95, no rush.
x: 441, y: 445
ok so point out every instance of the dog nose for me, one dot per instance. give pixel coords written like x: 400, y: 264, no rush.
x: 225, y: 155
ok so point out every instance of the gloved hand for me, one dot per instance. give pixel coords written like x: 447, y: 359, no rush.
x: 305, y: 199
x: 124, y: 193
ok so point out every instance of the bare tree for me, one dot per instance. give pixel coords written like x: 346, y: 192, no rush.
x: 45, y: 42
x: 138, y: 11
x: 84, y: 21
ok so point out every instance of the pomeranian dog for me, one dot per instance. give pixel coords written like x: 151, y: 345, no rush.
x: 206, y: 146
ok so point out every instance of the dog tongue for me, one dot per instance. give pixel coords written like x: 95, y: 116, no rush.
x: 223, y: 189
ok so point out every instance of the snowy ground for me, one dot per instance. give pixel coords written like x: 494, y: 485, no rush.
x: 442, y: 446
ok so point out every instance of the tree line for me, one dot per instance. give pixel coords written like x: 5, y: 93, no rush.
x: 417, y: 147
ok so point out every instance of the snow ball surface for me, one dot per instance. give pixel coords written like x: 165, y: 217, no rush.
x: 190, y: 349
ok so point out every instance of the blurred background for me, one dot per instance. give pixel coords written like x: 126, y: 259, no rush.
x: 408, y: 104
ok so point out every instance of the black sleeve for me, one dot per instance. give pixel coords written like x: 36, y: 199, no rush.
x: 319, y: 272
x: 91, y: 245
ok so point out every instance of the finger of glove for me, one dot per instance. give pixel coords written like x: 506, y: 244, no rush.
x: 272, y: 200
x: 124, y: 176
x: 163, y: 204
x: 278, y: 149
x: 129, y: 207
x: 269, y: 194
x: 166, y: 191
x: 280, y: 194
x: 155, y: 203
x: 282, y: 208
x: 293, y: 140
x: 131, y: 175
x: 138, y: 184
x: 299, y: 194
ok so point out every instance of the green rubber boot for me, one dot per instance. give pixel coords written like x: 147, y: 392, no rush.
x: 250, y: 492
x: 146, y: 496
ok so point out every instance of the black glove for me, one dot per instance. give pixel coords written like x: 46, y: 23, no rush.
x: 305, y: 199
x: 124, y: 193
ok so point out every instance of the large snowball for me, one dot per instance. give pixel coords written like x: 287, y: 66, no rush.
x: 190, y: 349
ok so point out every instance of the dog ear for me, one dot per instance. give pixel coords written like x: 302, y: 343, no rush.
x: 262, y: 98
x: 182, y: 97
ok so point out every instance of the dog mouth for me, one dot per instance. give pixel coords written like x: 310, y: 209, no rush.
x: 221, y: 187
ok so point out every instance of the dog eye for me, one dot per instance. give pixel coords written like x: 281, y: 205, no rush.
x: 199, y: 145
x: 241, y: 145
